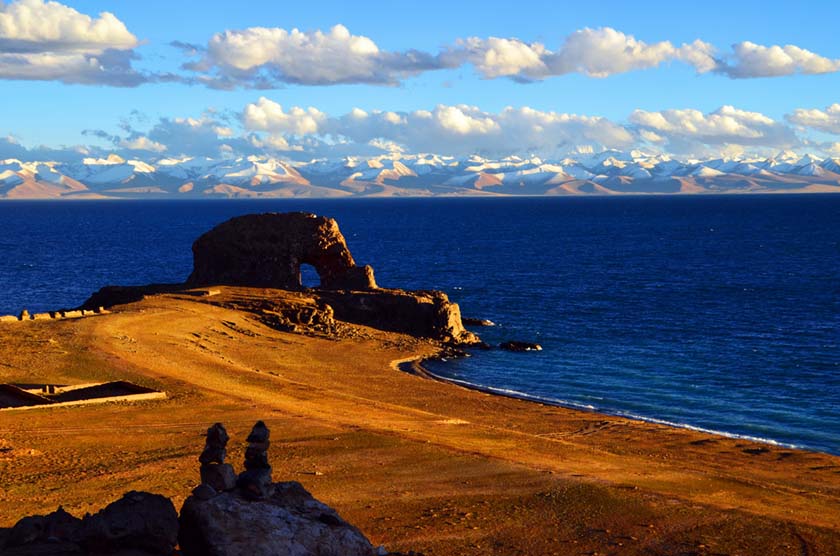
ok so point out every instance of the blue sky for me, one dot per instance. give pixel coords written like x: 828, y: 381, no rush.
x: 45, y: 105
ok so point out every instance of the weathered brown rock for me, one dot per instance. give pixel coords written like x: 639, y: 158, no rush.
x: 266, y: 250
x: 290, y: 522
x: 427, y: 314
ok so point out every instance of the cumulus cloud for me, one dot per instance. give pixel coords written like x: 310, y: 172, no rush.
x: 142, y: 143
x: 10, y: 147
x: 593, y: 52
x: 689, y: 130
x: 45, y: 41
x: 267, y: 115
x: 269, y: 57
x: 265, y: 57
x: 449, y: 129
x: 827, y: 120
x: 754, y: 60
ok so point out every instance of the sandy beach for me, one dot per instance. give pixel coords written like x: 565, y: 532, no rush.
x: 416, y: 464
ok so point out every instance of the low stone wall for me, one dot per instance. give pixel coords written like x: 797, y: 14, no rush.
x: 16, y: 398
x: 24, y: 315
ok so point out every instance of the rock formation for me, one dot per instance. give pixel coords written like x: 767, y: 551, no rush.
x: 139, y: 523
x: 283, y: 519
x: 428, y: 314
x: 266, y: 250
x: 255, y: 481
x: 214, y: 471
x: 513, y: 345
x: 261, y: 518
x: 289, y: 522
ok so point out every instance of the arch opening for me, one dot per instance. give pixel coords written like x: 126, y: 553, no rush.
x: 309, y: 277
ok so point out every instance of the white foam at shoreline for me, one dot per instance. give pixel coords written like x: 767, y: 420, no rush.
x: 587, y: 407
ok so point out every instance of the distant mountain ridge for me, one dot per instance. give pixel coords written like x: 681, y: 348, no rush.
x: 424, y: 175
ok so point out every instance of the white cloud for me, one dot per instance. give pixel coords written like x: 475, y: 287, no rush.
x: 267, y: 115
x: 827, y: 120
x: 142, y: 143
x: 498, y: 57
x: 50, y: 41
x: 687, y: 130
x: 832, y: 149
x: 264, y: 57
x: 458, y: 129
x: 594, y: 52
x: 754, y: 60
x: 268, y: 57
x: 38, y: 26
x: 603, y: 52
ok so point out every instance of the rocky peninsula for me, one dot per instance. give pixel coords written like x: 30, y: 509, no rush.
x: 414, y: 464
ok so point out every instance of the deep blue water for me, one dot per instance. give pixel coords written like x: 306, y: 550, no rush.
x: 721, y: 313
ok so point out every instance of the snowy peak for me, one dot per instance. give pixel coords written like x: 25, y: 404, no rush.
x: 607, y: 172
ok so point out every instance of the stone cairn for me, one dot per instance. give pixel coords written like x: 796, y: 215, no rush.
x: 214, y: 471
x: 255, y: 482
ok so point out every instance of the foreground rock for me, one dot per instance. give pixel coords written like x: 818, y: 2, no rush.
x: 289, y: 522
x: 139, y: 523
x: 251, y: 516
x: 266, y: 250
x: 260, y: 517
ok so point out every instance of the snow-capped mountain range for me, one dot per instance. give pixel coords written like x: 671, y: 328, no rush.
x: 397, y: 174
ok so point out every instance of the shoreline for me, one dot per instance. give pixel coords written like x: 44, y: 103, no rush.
x: 415, y: 367
x: 413, y: 462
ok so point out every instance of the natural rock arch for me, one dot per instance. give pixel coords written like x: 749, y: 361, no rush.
x: 266, y: 250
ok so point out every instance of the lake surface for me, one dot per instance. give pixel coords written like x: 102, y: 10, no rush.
x: 720, y: 313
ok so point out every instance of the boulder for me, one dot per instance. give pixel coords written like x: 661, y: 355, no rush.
x: 37, y: 529
x: 427, y: 314
x: 139, y: 524
x: 139, y: 521
x: 469, y: 321
x: 520, y: 346
x: 290, y: 522
x: 266, y: 251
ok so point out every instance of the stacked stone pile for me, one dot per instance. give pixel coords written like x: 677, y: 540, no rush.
x: 214, y: 471
x: 255, y: 481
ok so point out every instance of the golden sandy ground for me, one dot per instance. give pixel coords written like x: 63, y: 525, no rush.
x: 414, y: 463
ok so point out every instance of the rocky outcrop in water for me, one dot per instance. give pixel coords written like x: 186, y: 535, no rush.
x: 513, y: 345
x: 266, y: 250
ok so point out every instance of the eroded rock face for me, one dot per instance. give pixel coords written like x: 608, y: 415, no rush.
x: 266, y: 250
x: 290, y: 522
x: 427, y: 314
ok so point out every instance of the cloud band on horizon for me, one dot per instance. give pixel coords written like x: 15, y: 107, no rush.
x: 266, y: 127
